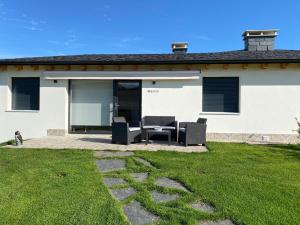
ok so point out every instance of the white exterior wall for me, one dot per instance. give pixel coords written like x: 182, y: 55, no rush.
x: 269, y: 100
x: 180, y: 98
x: 53, y: 113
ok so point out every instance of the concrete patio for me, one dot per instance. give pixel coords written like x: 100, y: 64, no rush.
x: 102, y: 142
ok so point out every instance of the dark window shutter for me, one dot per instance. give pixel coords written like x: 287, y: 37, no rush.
x: 25, y: 93
x: 220, y: 94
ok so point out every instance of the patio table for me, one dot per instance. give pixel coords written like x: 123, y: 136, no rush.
x: 149, y: 133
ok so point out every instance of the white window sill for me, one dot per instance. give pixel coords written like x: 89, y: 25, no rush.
x: 25, y: 111
x: 220, y: 113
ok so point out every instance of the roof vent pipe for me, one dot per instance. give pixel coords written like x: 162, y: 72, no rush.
x: 180, y: 47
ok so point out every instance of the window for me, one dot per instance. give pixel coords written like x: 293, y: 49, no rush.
x: 25, y: 93
x: 220, y: 94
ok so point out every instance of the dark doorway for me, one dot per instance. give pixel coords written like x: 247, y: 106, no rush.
x: 127, y: 99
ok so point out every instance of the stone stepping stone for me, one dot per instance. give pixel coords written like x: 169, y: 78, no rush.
x: 110, y: 181
x: 106, y: 154
x: 169, y: 183
x: 140, y: 176
x: 138, y: 215
x: 219, y: 222
x: 144, y: 162
x: 107, y: 165
x: 123, y: 193
x: 160, y: 197
x: 201, y: 206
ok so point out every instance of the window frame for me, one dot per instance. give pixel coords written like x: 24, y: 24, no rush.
x: 222, y: 113
x: 14, y: 109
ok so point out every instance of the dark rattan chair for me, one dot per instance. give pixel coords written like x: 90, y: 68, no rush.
x: 125, y: 132
x: 193, y: 133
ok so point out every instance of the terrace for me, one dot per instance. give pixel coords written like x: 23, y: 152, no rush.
x: 103, y: 142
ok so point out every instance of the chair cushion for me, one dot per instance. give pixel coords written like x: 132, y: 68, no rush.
x: 168, y: 128
x: 134, y: 128
x: 119, y: 119
x: 151, y: 127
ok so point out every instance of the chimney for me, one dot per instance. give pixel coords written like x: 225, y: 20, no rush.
x: 260, y: 40
x: 180, y: 47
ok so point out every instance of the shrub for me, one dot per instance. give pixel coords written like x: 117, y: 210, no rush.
x: 10, y: 142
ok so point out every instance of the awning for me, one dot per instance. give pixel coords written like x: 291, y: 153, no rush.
x: 122, y: 75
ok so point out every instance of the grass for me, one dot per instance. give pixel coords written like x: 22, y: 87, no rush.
x: 248, y: 184
x: 53, y: 187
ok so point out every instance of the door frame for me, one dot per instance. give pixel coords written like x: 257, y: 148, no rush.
x: 115, y: 96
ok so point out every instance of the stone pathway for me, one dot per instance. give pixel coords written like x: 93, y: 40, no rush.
x: 219, y: 222
x: 107, y: 165
x: 122, y: 194
x: 201, y: 206
x: 144, y: 162
x: 135, y: 212
x: 109, y: 181
x: 160, y: 197
x: 169, y: 183
x: 138, y: 215
x: 140, y: 176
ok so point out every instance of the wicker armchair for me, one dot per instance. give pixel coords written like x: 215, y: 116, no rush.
x: 193, y: 133
x: 125, y: 132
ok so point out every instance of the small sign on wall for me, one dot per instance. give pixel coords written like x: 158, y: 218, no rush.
x: 153, y: 91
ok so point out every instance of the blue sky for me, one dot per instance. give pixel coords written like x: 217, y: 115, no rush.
x: 62, y: 27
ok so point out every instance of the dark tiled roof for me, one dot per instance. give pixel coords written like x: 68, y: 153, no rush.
x: 240, y: 56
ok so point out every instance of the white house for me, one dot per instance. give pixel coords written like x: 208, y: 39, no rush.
x: 246, y: 95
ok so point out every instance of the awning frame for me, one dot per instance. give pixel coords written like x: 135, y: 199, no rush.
x: 122, y: 75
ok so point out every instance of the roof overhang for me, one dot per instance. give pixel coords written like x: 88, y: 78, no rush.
x: 166, y: 62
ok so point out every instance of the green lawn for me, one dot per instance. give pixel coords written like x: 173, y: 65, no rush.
x: 246, y: 183
x: 53, y: 187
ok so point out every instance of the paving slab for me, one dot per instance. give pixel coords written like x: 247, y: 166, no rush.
x: 138, y: 215
x: 205, y: 207
x: 169, y: 183
x: 140, y: 176
x: 160, y: 197
x: 123, y: 193
x: 111, y: 181
x: 107, y: 165
x: 218, y: 222
x: 144, y: 162
x: 106, y: 154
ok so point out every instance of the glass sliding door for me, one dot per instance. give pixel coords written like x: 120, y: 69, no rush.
x: 91, y: 105
x: 127, y: 99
